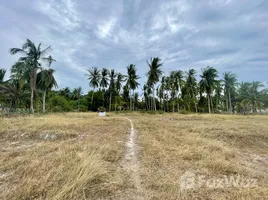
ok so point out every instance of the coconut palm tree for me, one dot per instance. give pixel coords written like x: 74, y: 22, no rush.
x: 14, y: 92
x: 179, y: 82
x: 208, y: 83
x: 2, y: 75
x: 104, y: 80
x: 33, y: 56
x: 77, y: 94
x: 192, y: 83
x: 118, y: 85
x: 46, y: 81
x: 154, y: 74
x: 132, y: 80
x: 112, y: 89
x: 174, y: 86
x: 229, y: 80
x: 94, y: 77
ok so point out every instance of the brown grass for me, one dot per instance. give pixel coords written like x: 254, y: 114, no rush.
x: 79, y: 156
x: 210, y: 145
x: 81, y: 161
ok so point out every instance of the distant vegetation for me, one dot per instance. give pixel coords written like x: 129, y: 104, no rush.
x: 31, y: 87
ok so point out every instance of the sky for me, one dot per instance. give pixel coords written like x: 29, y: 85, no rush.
x: 230, y: 35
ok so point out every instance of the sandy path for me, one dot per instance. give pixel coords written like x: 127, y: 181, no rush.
x: 130, y: 164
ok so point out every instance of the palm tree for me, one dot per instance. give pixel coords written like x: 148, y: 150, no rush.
x: 104, y: 81
x: 174, y: 87
x: 254, y: 94
x: 2, y: 75
x: 112, y: 89
x: 14, y: 92
x: 229, y: 87
x: 46, y: 81
x: 77, y: 94
x: 208, y: 83
x: 65, y: 92
x: 132, y: 82
x: 191, y: 82
x: 118, y: 85
x: 32, y: 56
x: 94, y: 80
x: 218, y: 92
x: 154, y: 74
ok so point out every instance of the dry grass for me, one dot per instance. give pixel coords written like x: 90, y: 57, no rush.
x: 210, y: 145
x: 79, y: 156
x: 71, y: 156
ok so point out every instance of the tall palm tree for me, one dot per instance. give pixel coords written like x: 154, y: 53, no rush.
x: 46, y: 81
x: 32, y: 55
x: 218, y: 92
x: 112, y: 76
x: 118, y: 85
x: 104, y: 81
x: 77, y: 94
x: 132, y: 80
x: 154, y: 74
x: 174, y: 87
x: 229, y: 80
x: 191, y: 82
x: 94, y: 77
x: 208, y: 83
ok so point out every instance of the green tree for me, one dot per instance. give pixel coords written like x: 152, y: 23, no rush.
x: 77, y: 92
x: 94, y: 77
x: 154, y: 74
x: 33, y: 56
x: 118, y: 86
x: 132, y: 81
x: 230, y: 81
x: 112, y: 89
x: 208, y: 83
x: 2, y: 75
x: 192, y: 84
x: 46, y: 81
x: 104, y: 81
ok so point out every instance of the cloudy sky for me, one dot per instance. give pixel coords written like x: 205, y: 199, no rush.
x: 231, y: 35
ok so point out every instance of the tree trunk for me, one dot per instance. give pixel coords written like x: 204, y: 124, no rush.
x: 92, y: 100
x: 194, y: 99
x: 133, y: 101
x: 227, y: 108
x: 230, y: 101
x: 79, y: 104
x: 212, y: 108
x: 115, y: 106
x: 44, y: 101
x: 32, y: 100
x: 173, y: 105
x: 130, y: 105
x: 110, y: 106
x: 208, y: 103
x: 154, y: 99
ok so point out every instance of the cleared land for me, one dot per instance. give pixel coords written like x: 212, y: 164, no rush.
x: 82, y: 156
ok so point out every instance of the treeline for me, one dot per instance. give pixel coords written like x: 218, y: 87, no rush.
x: 32, y: 87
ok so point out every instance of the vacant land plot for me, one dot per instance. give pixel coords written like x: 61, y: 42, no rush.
x: 208, y: 147
x: 82, y: 156
x: 71, y: 156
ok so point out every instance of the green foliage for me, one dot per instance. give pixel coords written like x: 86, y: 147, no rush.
x: 59, y: 103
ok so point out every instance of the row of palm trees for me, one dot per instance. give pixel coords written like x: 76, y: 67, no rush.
x: 32, y: 79
x: 112, y: 82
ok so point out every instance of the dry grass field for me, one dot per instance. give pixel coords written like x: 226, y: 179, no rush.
x: 82, y: 156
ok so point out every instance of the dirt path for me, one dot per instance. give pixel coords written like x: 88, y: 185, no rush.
x: 130, y: 164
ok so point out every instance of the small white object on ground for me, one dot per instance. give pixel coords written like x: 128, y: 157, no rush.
x: 102, y: 114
